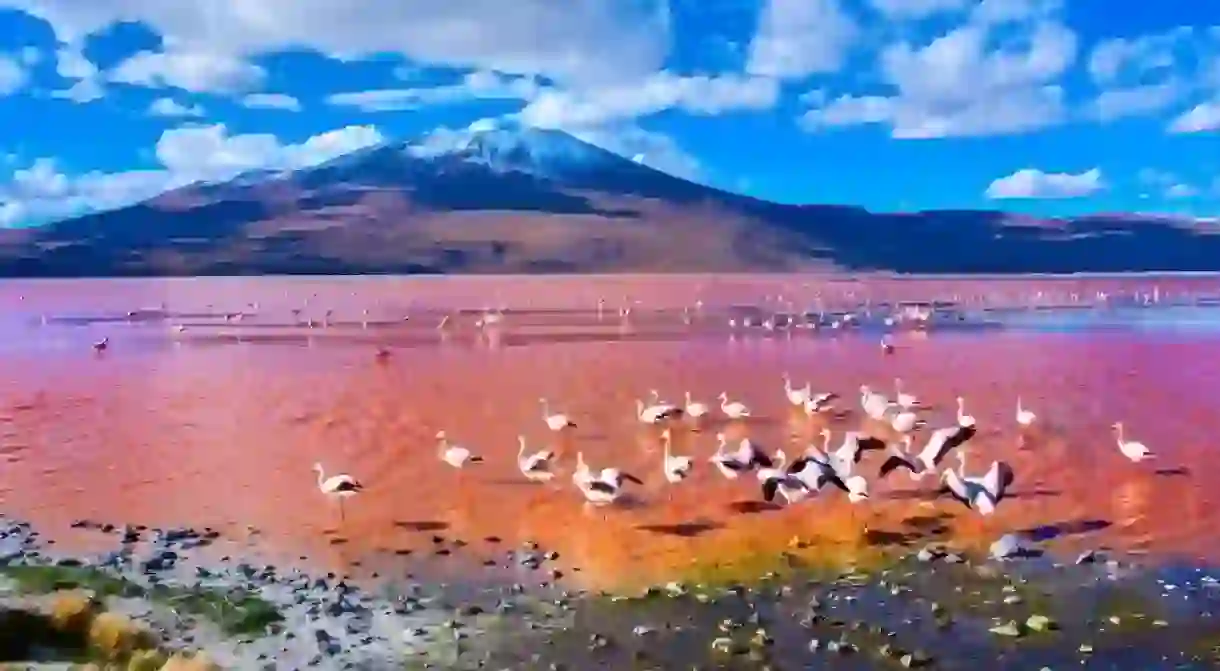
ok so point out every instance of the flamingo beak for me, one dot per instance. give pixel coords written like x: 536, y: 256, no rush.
x: 631, y: 478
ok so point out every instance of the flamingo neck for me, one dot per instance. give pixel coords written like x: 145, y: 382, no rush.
x: 688, y: 400
x: 520, y: 448
x: 321, y: 476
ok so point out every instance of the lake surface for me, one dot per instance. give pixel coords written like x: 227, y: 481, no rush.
x: 219, y: 422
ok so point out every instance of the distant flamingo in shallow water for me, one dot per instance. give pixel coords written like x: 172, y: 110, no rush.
x: 535, y: 466
x: 1025, y: 417
x: 338, y: 487
x: 455, y: 455
x: 555, y: 421
x: 733, y: 409
x: 1133, y: 450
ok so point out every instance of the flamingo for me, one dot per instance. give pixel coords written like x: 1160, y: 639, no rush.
x: 887, y: 346
x: 655, y: 413
x: 602, y: 488
x: 677, y: 468
x: 1133, y: 450
x: 556, y: 421
x: 981, y: 494
x: 734, y: 409
x: 695, y: 410
x: 777, y: 480
x: 873, y: 404
x: 941, y: 441
x: 1024, y: 417
x: 744, y: 458
x: 796, y: 396
x: 455, y: 455
x: 337, y: 487
x: 535, y: 466
x: 902, y: 458
x: 817, y: 403
x: 962, y: 418
x: 101, y: 345
x: 905, y: 401
x: 905, y: 421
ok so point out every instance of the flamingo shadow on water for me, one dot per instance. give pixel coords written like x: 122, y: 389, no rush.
x: 1046, y: 532
x: 1172, y: 472
x: 682, y: 529
x: 421, y: 525
x: 753, y: 507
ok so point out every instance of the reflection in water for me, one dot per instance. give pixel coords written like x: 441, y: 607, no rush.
x: 212, y: 432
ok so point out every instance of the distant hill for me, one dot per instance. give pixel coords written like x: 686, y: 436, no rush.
x: 541, y: 201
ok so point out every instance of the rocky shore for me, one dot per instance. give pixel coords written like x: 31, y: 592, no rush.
x: 172, y: 599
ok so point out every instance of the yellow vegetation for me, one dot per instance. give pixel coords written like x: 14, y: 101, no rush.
x: 115, y: 637
x: 72, y: 611
x: 180, y: 662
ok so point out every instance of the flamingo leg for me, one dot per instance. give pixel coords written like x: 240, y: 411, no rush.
x: 342, y: 512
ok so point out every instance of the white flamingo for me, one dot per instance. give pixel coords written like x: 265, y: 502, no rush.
x: 1133, y: 450
x: 101, y: 345
x: 337, y: 487
x: 818, y: 403
x: 962, y: 418
x: 1025, y: 417
x: 796, y: 396
x: 602, y: 488
x: 455, y: 455
x: 905, y: 421
x: 695, y: 410
x: 555, y: 421
x: 535, y: 466
x: 981, y: 494
x: 940, y: 442
x: 742, y: 459
x: 733, y: 409
x: 776, y: 480
x: 874, y: 405
x: 677, y: 467
x: 902, y: 458
x: 904, y: 400
x: 657, y: 412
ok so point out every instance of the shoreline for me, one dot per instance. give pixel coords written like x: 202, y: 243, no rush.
x: 933, y: 606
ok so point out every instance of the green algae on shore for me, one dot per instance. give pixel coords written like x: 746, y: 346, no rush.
x: 235, y: 612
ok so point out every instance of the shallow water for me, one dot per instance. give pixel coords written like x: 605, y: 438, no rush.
x: 219, y: 424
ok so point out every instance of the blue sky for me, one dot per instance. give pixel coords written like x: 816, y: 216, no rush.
x: 1039, y: 106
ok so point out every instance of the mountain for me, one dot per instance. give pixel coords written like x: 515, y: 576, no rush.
x: 539, y: 201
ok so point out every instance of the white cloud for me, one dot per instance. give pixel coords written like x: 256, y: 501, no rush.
x: 662, y: 91
x: 478, y: 85
x: 917, y: 9
x: 580, y: 40
x: 278, y: 101
x: 1033, y: 183
x: 72, y: 65
x: 1181, y: 190
x: 797, y: 38
x: 959, y: 85
x: 1169, y: 185
x: 1120, y: 103
x: 12, y: 76
x: 1146, y: 74
x: 194, y: 71
x: 42, y: 192
x: 168, y: 107
x: 1201, y: 118
x: 1118, y: 59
